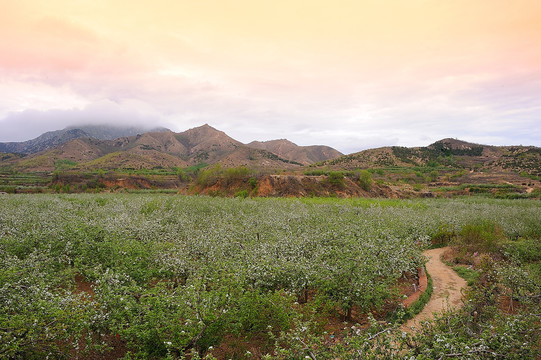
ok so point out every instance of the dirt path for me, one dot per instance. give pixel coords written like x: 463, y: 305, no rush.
x: 447, y: 289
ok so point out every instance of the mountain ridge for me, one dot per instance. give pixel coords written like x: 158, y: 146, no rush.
x: 446, y: 152
x: 203, y: 144
x: 55, y: 138
x: 291, y: 151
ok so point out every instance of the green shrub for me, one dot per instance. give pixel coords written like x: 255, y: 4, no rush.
x: 257, y: 312
x: 443, y: 236
x: 484, y: 236
x: 418, y: 187
x: 210, y: 176
x: 253, y: 183
x: 234, y: 174
x: 336, y: 178
x: 536, y: 193
x: 434, y: 175
x: 64, y: 164
x: 183, y: 175
x: 8, y: 189
x: 242, y: 194
x: 365, y: 180
x: 228, y: 176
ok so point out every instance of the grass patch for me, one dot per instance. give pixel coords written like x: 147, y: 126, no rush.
x: 468, y: 274
x: 419, y: 305
x: 403, y: 315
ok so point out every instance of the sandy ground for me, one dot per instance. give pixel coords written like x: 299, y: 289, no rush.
x: 447, y: 289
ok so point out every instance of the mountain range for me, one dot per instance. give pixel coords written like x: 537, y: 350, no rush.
x: 93, y: 147
x: 89, y: 148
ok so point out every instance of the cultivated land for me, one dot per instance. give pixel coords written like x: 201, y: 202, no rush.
x: 161, y: 276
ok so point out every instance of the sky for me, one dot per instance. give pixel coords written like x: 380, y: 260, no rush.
x: 351, y: 74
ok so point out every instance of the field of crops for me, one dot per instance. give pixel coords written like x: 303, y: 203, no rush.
x: 162, y: 276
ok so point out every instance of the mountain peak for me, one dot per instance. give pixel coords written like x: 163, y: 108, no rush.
x: 277, y: 141
x: 203, y: 127
x: 205, y: 131
x: 293, y: 152
x: 453, y: 144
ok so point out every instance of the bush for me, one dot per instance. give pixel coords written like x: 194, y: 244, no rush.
x: 257, y: 312
x: 213, y: 175
x: 8, y: 189
x: 365, y: 180
x: 434, y: 175
x: 336, y: 178
x: 468, y: 274
x: 484, y: 236
x: 253, y: 183
x: 443, y: 236
x: 236, y: 174
x: 210, y: 176
x: 242, y: 194
x: 418, y: 187
x: 183, y: 175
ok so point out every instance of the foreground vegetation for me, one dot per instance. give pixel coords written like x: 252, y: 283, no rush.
x: 159, y: 276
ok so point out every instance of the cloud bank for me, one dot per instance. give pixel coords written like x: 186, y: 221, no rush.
x: 349, y: 74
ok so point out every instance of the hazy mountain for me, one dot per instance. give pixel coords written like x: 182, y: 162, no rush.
x: 43, y: 142
x: 52, y: 139
x: 104, y: 132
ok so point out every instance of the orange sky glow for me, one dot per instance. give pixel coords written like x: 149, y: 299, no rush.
x: 349, y: 74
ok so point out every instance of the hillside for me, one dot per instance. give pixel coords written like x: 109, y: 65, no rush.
x: 292, y: 152
x: 446, y: 153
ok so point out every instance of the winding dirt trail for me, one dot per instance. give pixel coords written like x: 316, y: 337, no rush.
x: 447, y: 289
